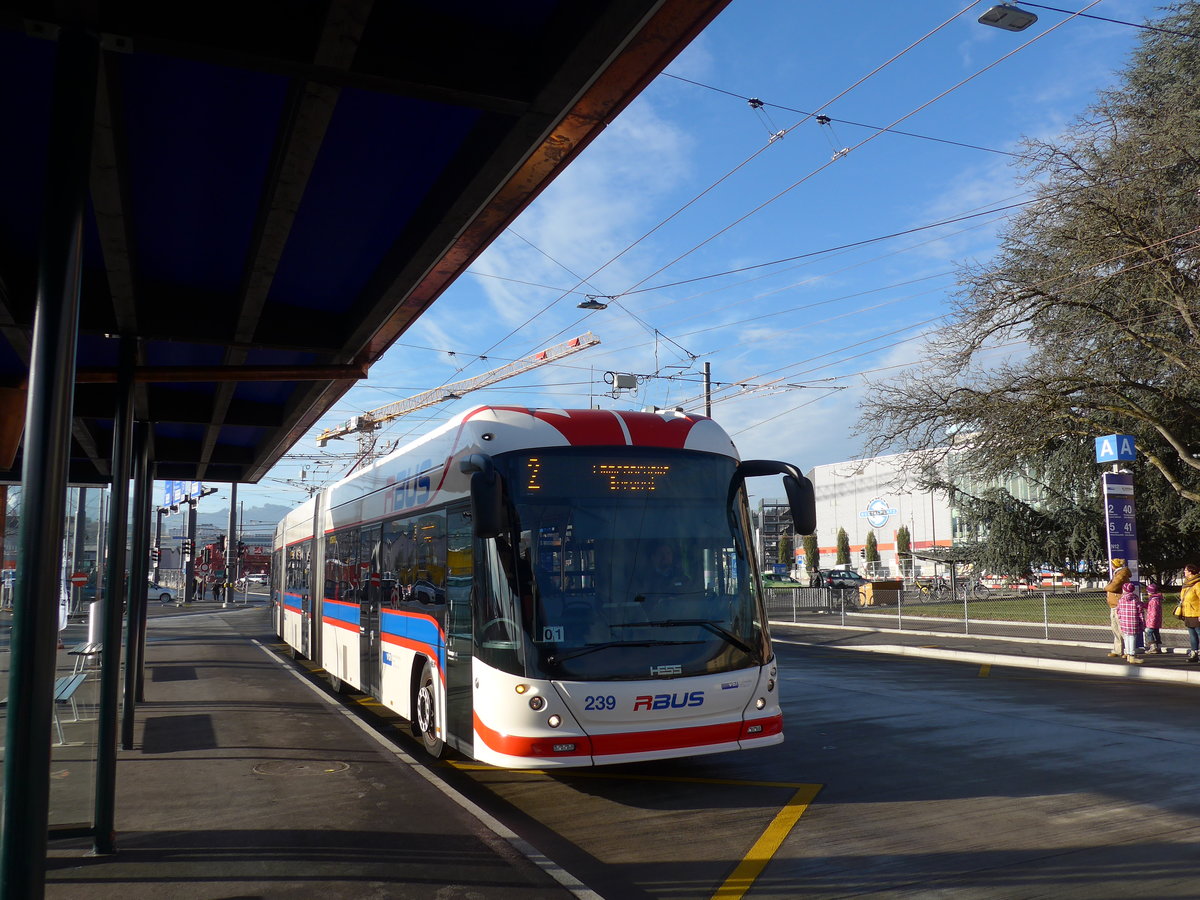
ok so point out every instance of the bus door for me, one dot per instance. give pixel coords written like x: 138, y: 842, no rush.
x: 370, y: 592
x: 460, y: 564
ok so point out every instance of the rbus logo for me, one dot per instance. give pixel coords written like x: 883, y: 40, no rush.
x: 411, y: 489
x: 669, y: 701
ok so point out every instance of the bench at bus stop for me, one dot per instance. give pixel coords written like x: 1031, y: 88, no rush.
x: 65, y: 687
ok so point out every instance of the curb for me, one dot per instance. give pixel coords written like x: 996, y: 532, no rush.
x: 1080, y: 667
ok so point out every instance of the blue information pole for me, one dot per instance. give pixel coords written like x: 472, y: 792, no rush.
x: 1120, y: 513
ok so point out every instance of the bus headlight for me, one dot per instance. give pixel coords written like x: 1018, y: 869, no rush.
x: 536, y: 703
x: 521, y: 688
x: 770, y: 685
x: 554, y: 721
x: 760, y: 703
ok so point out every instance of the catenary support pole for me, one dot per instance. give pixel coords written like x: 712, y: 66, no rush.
x: 708, y: 389
x: 44, y: 472
x: 231, y: 543
x: 77, y: 550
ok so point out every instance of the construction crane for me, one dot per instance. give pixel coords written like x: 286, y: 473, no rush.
x: 368, y: 422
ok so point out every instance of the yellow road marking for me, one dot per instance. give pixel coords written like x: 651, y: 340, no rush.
x: 764, y: 848
x: 752, y: 864
x: 984, y: 670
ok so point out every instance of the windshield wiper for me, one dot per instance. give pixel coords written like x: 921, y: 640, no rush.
x: 592, y: 648
x: 714, y: 627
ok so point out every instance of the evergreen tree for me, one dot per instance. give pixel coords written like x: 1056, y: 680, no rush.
x: 871, y: 548
x: 843, y: 547
x: 812, y: 552
x: 904, y: 549
x: 784, y: 552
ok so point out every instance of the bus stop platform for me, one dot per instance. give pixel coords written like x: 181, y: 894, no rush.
x: 247, y: 780
x: 1089, y: 658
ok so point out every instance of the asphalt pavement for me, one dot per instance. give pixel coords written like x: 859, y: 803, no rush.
x: 247, y: 780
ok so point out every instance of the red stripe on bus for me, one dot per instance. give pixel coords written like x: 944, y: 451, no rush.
x: 338, y: 623
x: 629, y: 742
x: 515, y: 745
x: 651, y: 430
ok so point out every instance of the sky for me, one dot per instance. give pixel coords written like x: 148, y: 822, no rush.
x: 726, y: 230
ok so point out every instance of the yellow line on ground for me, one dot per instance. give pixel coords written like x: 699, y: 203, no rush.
x: 984, y: 670
x: 764, y: 848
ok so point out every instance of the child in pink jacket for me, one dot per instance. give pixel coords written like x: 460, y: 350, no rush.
x: 1129, y: 616
x: 1152, y: 638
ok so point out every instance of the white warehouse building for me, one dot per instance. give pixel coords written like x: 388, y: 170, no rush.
x: 877, y: 495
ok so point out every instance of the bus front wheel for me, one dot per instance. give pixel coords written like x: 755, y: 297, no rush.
x: 425, y: 715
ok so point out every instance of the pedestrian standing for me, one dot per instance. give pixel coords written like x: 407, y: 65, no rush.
x: 1112, y: 592
x: 1129, y: 615
x: 1189, y: 609
x: 1153, y: 637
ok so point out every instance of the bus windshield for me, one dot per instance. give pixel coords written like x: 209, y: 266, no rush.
x: 629, y: 564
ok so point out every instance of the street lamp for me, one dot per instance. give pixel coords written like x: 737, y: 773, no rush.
x: 1008, y: 17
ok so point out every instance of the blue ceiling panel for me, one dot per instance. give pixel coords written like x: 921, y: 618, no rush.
x: 380, y: 157
x: 26, y: 81
x: 265, y: 391
x: 241, y: 436
x: 171, y: 353
x: 200, y: 141
x: 179, y: 431
x: 282, y: 185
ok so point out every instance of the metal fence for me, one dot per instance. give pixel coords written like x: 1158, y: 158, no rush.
x: 1036, y: 615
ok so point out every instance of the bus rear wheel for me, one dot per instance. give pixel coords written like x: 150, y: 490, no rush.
x: 425, y: 714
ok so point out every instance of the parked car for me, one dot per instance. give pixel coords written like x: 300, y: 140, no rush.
x: 258, y: 578
x: 772, y: 580
x: 161, y: 593
x: 841, y: 578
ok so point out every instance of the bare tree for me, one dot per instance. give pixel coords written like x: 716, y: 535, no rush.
x: 1088, y: 320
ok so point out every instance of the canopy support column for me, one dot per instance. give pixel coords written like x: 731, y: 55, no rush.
x: 44, y: 472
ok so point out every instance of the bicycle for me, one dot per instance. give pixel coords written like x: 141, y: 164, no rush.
x: 938, y: 589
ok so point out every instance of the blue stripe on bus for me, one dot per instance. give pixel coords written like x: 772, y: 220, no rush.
x: 417, y: 631
x: 349, y: 613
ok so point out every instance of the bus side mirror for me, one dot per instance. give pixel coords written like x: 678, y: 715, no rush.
x: 801, y: 496
x: 487, y: 495
x: 803, y: 500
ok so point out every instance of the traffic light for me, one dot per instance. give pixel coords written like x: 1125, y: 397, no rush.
x: 862, y: 552
x: 154, y: 555
x: 241, y: 549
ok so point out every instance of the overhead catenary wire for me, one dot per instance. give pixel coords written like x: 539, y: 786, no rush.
x: 1084, y: 15
x: 823, y: 119
x: 1042, y: 284
x: 494, y: 345
x: 860, y: 144
x: 711, y: 187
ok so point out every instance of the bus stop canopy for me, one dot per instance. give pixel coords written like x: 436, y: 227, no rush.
x: 278, y: 191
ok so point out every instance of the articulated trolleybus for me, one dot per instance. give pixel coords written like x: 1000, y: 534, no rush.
x: 539, y: 587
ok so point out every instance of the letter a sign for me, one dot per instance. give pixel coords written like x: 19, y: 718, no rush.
x: 1115, y: 448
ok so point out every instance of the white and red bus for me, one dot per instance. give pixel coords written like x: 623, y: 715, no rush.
x: 539, y: 587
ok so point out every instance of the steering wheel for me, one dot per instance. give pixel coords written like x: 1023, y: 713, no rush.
x: 514, y: 629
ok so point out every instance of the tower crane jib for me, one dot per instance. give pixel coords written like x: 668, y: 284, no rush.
x: 371, y: 420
